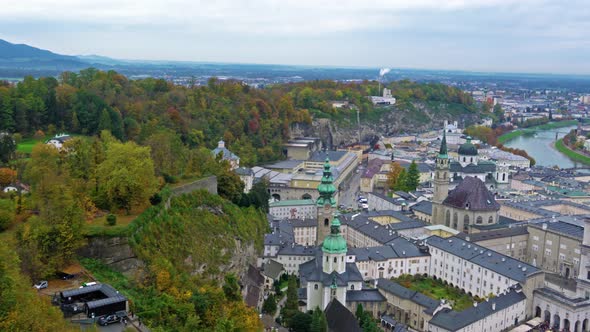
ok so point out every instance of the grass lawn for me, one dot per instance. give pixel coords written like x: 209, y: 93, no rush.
x: 98, y: 226
x: 561, y: 147
x: 437, y: 290
x: 26, y: 145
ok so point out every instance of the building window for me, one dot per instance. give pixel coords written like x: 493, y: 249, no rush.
x: 455, y: 220
x: 448, y: 219
x: 490, y: 220
x: 479, y: 220
x: 315, y: 286
x: 466, y: 223
x: 352, y: 287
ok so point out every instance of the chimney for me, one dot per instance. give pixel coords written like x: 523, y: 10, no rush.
x: 494, y: 306
x: 221, y: 144
x: 475, y: 304
x: 544, y: 226
x: 467, y: 238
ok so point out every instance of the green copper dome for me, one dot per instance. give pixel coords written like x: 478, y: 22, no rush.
x: 326, y: 188
x: 467, y: 148
x: 334, y: 243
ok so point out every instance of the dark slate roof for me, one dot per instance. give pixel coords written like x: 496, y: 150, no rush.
x: 302, y: 294
x: 453, y: 321
x: 340, y: 319
x: 363, y: 223
x: 394, y: 200
x: 494, y: 234
x: 272, y: 269
x: 561, y: 227
x: 423, y: 207
x: 107, y: 290
x: 482, y: 166
x: 365, y: 295
x: 107, y: 301
x: 297, y: 250
x: 320, y: 156
x: 244, y: 171
x: 395, y: 325
x: 489, y: 259
x: 396, y: 248
x: 312, y: 270
x: 472, y: 194
x: 400, y: 291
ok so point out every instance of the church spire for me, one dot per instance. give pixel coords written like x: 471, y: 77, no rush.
x: 326, y: 188
x: 442, y: 153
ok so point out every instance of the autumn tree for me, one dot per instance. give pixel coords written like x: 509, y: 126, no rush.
x: 7, y: 176
x: 393, y: 175
x: 126, y: 176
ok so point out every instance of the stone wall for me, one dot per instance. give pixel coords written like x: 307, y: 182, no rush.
x: 208, y: 183
x: 114, y: 252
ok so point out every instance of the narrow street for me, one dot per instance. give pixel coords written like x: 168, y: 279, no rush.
x: 351, y: 188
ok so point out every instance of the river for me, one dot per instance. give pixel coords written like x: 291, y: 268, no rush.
x: 540, y: 146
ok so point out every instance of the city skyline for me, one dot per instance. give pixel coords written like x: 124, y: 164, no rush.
x: 487, y: 36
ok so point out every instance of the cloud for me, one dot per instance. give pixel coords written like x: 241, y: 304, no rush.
x: 254, y: 16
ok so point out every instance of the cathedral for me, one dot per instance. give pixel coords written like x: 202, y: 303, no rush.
x: 470, y: 203
x: 470, y: 164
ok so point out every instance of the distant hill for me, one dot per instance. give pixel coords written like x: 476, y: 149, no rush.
x: 25, y: 57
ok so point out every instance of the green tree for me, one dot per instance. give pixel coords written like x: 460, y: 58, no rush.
x: 413, y: 177
x: 104, y: 121
x: 318, y: 321
x: 270, y: 305
x: 7, y: 213
x: 229, y: 185
x: 7, y: 148
x: 126, y: 176
x: 300, y: 322
x: 231, y: 288
x: 292, y: 303
x: 401, y: 183
x: 360, y: 312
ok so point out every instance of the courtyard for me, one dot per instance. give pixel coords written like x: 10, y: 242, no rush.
x: 437, y: 290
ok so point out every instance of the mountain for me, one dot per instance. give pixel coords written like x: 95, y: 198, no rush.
x: 24, y: 58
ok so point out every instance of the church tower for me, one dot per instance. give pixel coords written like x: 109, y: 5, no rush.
x: 326, y: 203
x: 441, y: 182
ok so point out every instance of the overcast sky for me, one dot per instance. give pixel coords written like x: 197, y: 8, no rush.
x: 480, y: 35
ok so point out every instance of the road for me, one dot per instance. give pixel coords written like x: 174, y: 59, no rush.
x: 351, y: 188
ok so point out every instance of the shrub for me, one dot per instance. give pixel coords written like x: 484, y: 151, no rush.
x: 156, y: 199
x: 111, y: 219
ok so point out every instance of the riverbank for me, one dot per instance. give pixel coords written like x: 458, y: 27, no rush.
x: 561, y: 147
x: 551, y: 125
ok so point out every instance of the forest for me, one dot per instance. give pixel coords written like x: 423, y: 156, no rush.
x: 253, y: 122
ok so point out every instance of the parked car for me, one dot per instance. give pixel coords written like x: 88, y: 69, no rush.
x: 41, y: 284
x: 88, y: 284
x: 110, y: 319
x: 65, y: 276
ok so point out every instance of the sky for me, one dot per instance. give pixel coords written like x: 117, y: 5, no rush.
x: 474, y: 35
